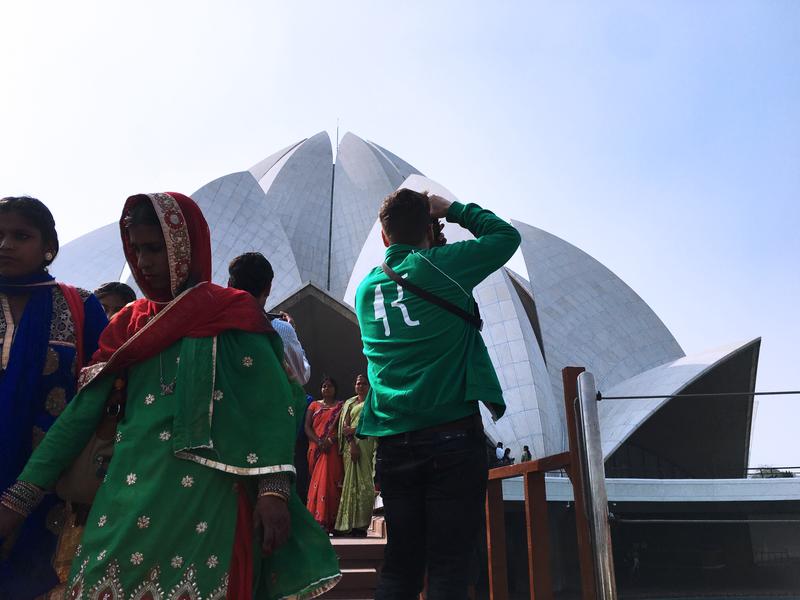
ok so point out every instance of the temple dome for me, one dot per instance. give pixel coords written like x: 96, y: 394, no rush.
x: 316, y: 221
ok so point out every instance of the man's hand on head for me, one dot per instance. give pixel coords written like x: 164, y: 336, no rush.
x: 439, y: 206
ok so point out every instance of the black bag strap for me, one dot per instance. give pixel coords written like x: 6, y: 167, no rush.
x: 473, y: 319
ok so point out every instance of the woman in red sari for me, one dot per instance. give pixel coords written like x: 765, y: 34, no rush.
x: 324, y: 460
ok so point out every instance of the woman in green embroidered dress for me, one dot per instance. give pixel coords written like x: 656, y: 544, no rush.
x: 198, y: 501
x: 358, y: 455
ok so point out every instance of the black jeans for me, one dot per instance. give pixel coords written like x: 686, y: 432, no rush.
x: 434, y: 490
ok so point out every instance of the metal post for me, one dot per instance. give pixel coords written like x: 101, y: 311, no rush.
x: 569, y: 376
x: 594, y: 487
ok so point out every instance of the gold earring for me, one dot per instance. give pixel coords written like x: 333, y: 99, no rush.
x: 48, y: 256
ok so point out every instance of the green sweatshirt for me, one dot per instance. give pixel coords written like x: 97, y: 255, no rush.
x: 428, y: 366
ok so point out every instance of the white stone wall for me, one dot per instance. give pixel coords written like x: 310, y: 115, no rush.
x: 299, y: 197
x: 363, y: 179
x: 240, y: 221
x: 619, y: 419
x: 588, y: 316
x: 531, y: 417
x: 559, y: 489
x: 92, y: 259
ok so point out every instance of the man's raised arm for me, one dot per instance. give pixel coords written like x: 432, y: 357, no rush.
x: 495, y: 241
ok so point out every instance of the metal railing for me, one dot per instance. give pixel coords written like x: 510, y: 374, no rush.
x: 585, y: 466
x: 536, y: 521
x: 590, y: 451
x: 599, y: 395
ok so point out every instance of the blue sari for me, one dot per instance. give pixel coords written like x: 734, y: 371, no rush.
x: 38, y: 372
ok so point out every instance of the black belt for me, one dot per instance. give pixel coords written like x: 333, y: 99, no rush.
x: 452, y: 430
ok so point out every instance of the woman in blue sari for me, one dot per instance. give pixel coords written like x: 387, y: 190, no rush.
x: 47, y: 332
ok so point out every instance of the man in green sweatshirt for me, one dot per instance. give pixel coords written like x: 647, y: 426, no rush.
x: 428, y: 369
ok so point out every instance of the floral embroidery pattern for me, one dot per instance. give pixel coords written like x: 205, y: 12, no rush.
x: 118, y: 436
x: 37, y: 435
x: 176, y: 236
x: 51, y: 362
x: 130, y: 479
x: 101, y: 522
x: 143, y: 522
x: 252, y: 458
x: 212, y: 561
x: 201, y: 527
x: 187, y: 587
x: 150, y: 589
x: 247, y: 361
x: 102, y: 556
x: 221, y: 592
x: 87, y: 374
x: 56, y: 401
x: 149, y: 399
x: 164, y: 436
x: 176, y: 562
x: 109, y: 587
x: 62, y: 329
x: 290, y: 410
x: 187, y: 481
x: 217, y: 395
x: 137, y: 558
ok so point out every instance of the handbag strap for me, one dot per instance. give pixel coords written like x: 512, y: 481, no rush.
x: 473, y: 319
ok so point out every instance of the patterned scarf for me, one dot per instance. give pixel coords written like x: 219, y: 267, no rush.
x: 150, y: 325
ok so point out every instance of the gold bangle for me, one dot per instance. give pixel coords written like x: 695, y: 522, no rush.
x: 276, y: 494
x: 14, y: 507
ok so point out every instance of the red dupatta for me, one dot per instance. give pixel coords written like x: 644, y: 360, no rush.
x: 150, y: 325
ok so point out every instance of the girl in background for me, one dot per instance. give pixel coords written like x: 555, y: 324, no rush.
x: 114, y: 296
x: 48, y: 331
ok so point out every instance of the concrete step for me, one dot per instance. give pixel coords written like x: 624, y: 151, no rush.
x: 335, y: 593
x: 360, y: 561
x: 356, y: 548
x: 363, y: 553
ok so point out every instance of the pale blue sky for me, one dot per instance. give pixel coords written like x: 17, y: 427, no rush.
x: 663, y: 138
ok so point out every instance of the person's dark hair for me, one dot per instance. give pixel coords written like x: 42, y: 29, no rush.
x: 142, y: 213
x: 37, y: 214
x: 122, y: 290
x: 405, y: 216
x: 332, y: 381
x: 250, y: 272
x: 526, y: 448
x: 499, y: 444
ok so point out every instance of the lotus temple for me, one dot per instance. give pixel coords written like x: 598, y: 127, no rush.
x: 683, y: 460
